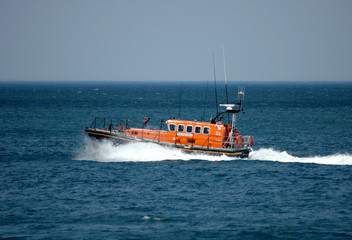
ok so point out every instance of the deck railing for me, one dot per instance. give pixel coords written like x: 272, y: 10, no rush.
x: 109, y: 123
x: 232, y: 144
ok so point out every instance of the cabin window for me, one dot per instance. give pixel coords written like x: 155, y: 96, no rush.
x: 198, y: 130
x: 206, y: 130
x: 181, y: 128
x: 172, y: 127
x: 189, y: 129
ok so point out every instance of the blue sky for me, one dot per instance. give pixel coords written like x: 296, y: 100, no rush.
x: 301, y: 40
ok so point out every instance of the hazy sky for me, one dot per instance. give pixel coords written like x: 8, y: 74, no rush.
x: 174, y: 40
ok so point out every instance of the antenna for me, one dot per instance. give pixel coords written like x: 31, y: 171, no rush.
x: 223, y: 55
x: 216, y: 91
x: 227, y: 96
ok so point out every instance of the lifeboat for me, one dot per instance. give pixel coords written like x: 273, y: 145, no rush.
x: 214, y: 137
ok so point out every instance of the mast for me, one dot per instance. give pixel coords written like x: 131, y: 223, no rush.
x: 240, y: 94
x: 230, y: 108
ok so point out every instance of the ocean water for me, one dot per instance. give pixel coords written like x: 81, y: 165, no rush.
x: 58, y: 184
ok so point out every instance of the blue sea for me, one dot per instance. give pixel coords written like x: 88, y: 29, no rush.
x: 56, y: 183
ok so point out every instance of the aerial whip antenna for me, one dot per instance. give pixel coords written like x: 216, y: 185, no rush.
x: 216, y: 91
x: 223, y: 55
x: 227, y: 96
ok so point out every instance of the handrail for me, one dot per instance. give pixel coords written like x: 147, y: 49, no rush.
x: 100, y: 122
x: 233, y: 145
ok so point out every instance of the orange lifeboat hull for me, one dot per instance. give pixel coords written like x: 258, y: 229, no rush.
x: 188, y: 136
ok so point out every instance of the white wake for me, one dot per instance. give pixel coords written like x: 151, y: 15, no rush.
x: 105, y: 151
x: 269, y: 154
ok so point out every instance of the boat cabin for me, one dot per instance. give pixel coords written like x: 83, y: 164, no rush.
x: 188, y: 133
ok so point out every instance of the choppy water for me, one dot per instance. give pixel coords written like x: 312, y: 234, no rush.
x: 56, y: 183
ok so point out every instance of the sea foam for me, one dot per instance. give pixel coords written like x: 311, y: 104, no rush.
x: 269, y: 154
x: 106, y: 151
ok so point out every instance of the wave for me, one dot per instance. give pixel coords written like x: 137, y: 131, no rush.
x: 106, y: 151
